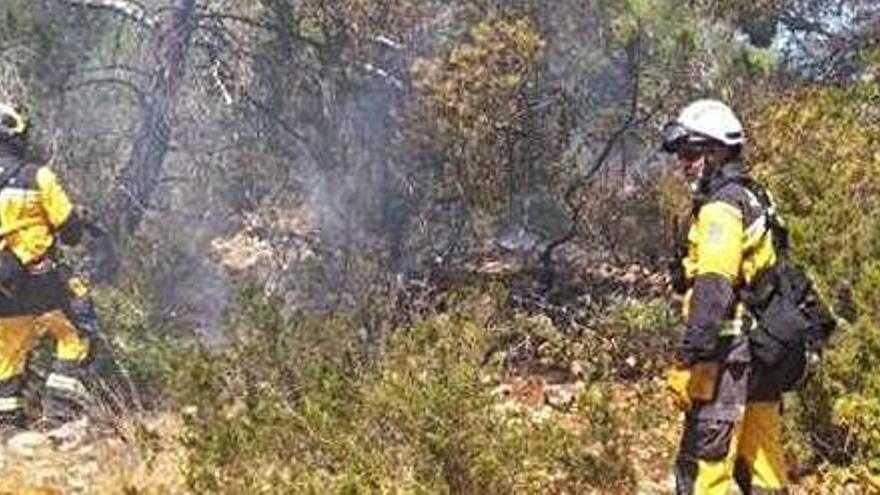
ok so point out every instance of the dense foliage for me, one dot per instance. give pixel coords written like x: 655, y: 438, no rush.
x: 301, y: 407
x: 403, y: 245
x: 818, y: 148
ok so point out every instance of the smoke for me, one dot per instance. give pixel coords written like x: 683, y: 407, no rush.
x: 300, y: 136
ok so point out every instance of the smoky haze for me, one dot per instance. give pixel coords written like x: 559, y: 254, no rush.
x: 325, y: 152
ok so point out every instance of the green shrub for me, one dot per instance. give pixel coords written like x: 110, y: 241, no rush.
x: 819, y: 151
x: 299, y: 407
x: 635, y: 337
x: 126, y: 328
x: 629, y: 338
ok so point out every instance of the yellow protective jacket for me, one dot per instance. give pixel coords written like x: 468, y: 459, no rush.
x: 34, y: 211
x: 728, y: 245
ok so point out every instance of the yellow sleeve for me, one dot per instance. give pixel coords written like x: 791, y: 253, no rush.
x: 719, y: 237
x: 56, y: 204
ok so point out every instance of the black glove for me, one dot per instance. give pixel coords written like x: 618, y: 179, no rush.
x: 11, y: 268
x: 71, y: 231
x: 677, y: 278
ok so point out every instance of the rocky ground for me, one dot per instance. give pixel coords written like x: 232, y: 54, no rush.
x: 142, y: 457
x: 650, y: 443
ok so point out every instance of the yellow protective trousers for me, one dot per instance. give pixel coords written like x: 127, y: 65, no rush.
x: 730, y: 438
x: 45, y: 305
x: 748, y: 451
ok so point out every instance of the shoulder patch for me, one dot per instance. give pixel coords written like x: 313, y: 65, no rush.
x: 720, y: 223
x: 715, y: 233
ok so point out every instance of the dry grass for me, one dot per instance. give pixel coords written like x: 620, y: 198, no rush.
x: 144, y: 457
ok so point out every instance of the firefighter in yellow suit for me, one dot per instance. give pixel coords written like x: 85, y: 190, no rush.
x: 38, y: 293
x: 732, y: 426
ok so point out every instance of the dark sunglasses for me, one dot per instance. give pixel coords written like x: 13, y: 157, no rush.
x: 690, y: 152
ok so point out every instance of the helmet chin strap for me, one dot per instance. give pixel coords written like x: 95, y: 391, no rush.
x: 697, y: 181
x: 696, y: 184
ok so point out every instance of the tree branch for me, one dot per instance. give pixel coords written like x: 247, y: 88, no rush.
x: 284, y: 126
x: 126, y: 8
x: 109, y: 80
x: 383, y: 74
x: 247, y: 21
x: 576, y: 207
x: 388, y: 42
x: 115, y: 68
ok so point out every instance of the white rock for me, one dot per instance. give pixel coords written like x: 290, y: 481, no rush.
x: 29, y: 443
x: 559, y: 397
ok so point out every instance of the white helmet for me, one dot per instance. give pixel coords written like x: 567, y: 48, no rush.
x: 711, y: 119
x: 12, y: 122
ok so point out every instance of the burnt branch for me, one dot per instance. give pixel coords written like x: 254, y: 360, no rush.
x: 570, y: 197
x: 134, y: 88
x: 126, y: 8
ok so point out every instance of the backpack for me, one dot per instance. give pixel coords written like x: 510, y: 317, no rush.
x: 793, y: 323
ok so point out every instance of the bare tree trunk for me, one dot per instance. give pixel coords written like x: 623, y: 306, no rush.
x: 142, y: 172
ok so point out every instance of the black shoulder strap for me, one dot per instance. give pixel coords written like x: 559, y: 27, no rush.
x: 774, y: 221
x: 7, y: 174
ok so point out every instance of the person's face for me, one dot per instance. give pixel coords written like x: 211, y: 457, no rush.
x: 691, y: 161
x: 694, y: 159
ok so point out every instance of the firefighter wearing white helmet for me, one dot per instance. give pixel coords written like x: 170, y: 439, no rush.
x: 709, y: 132
x: 711, y: 120
x: 41, y: 294
x: 732, y: 424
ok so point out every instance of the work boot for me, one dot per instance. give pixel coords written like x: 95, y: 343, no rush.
x: 66, y: 397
